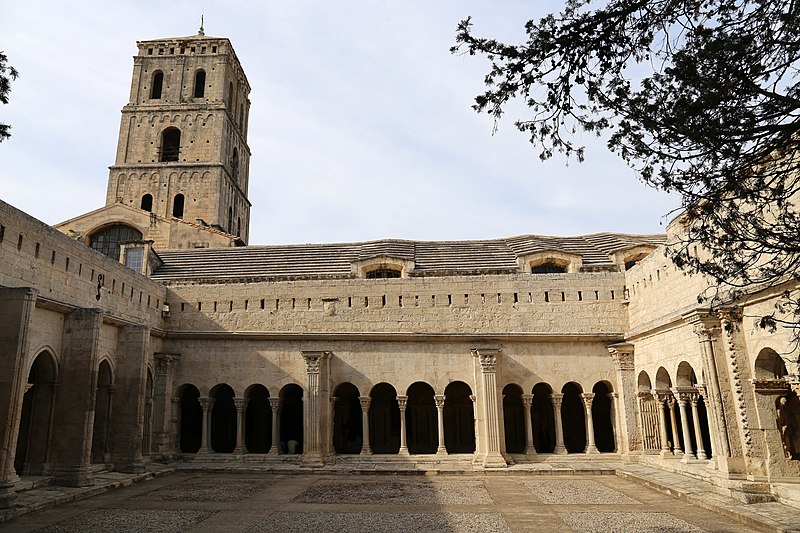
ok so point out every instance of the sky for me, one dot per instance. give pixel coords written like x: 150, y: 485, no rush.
x: 361, y: 124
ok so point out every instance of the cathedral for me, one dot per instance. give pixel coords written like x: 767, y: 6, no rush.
x: 149, y: 330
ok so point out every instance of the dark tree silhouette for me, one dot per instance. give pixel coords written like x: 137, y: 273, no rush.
x: 7, y: 74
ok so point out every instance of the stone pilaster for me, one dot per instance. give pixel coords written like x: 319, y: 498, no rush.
x: 401, y: 403
x: 72, y: 439
x: 16, y: 308
x: 487, y: 357
x: 312, y: 407
x: 164, y: 443
x: 127, y: 423
x: 527, y: 402
x: 629, y: 437
x: 364, y: 401
x: 587, y: 398
x: 275, y: 405
x: 557, y: 398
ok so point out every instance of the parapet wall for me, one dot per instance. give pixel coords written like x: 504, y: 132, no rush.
x: 65, y: 272
x: 588, y: 304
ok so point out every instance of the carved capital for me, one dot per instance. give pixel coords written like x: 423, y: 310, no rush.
x: 622, y: 355
x: 770, y: 386
x: 175, y: 400
x: 527, y: 400
x: 439, y: 399
x: 314, y: 360
x: 401, y: 402
x: 206, y: 402
x: 557, y: 398
x: 487, y: 358
x: 364, y: 401
x: 685, y: 394
x: 662, y: 395
x: 587, y: 398
x: 275, y: 404
x: 239, y: 403
x: 645, y: 395
x: 613, y: 396
x: 165, y: 362
x: 705, y: 324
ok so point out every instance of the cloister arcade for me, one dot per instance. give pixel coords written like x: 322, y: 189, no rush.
x: 381, y: 421
x: 673, y: 414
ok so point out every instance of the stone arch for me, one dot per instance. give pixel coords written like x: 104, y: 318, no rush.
x: 685, y: 376
x: 543, y: 418
x: 602, y: 420
x: 769, y: 365
x: 223, y: 419
x: 663, y: 381
x: 102, y: 412
x: 421, y: 419
x: 36, y: 420
x: 191, y: 418
x: 513, y: 419
x: 291, y: 418
x: 257, y: 419
x: 643, y: 382
x: 384, y: 419
x: 573, y: 417
x: 348, y: 430
x: 459, y: 418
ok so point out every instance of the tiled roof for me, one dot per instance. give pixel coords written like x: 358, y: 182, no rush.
x: 431, y: 258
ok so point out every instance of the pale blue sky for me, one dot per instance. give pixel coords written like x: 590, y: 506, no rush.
x: 360, y: 127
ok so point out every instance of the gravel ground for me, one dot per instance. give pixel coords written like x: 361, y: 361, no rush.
x: 129, y: 521
x: 579, y: 492
x: 286, y: 522
x: 208, y: 490
x: 587, y: 522
x: 396, y: 492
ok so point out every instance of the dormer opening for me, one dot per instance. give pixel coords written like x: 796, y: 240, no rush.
x: 384, y: 272
x: 549, y: 267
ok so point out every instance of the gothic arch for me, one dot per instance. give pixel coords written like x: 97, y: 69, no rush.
x: 102, y: 412
x: 36, y: 419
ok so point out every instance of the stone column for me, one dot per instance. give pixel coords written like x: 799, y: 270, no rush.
x: 173, y: 440
x: 205, y: 443
x: 439, y: 399
x: 312, y: 408
x: 16, y: 309
x: 614, y: 397
x: 676, y: 445
x: 78, y: 367
x: 488, y: 361
x: 130, y: 392
x: 275, y: 405
x: 661, y: 397
x: 628, y: 437
x: 240, y: 404
x: 587, y: 404
x: 557, y: 398
x: 698, y: 433
x: 163, y: 389
x: 527, y: 402
x: 401, y: 403
x: 682, y: 398
x: 365, y: 447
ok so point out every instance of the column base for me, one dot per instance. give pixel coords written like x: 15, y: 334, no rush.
x: 494, y: 460
x: 204, y: 451
x: 365, y: 452
x: 591, y: 449
x: 702, y: 456
x: 8, y: 496
x: 403, y: 451
x: 666, y: 454
x: 687, y: 457
x: 312, y: 459
x: 441, y: 451
x: 530, y: 451
x: 273, y: 451
x: 560, y: 450
x: 239, y: 450
x: 73, y: 476
x: 132, y: 468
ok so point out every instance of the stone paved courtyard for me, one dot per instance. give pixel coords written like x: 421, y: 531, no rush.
x: 311, y: 503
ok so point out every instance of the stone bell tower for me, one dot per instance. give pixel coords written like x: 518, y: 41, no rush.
x: 182, y: 149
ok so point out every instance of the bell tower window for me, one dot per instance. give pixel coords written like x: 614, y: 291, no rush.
x: 170, y: 145
x: 177, y: 206
x: 200, y: 84
x: 158, y: 84
x: 147, y: 202
x: 235, y: 163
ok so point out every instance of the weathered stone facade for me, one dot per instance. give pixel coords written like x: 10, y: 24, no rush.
x: 486, y: 352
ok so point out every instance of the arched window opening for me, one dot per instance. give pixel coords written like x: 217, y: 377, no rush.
x: 601, y: 418
x: 230, y: 97
x: 257, y: 420
x: 191, y: 422
x: 157, y: 85
x: 170, y: 145
x: 177, y: 206
x: 543, y: 419
x: 199, y: 83
x: 513, y: 419
x: 383, y: 273
x: 459, y: 418
x: 235, y: 163
x: 106, y: 241
x: 548, y: 267
x: 384, y: 419
x: 769, y: 365
x: 230, y: 219
x: 147, y: 202
x: 421, y: 419
x: 33, y: 442
x: 291, y: 419
x: 102, y: 415
x: 223, y: 419
x: 348, y: 431
x: 573, y: 418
